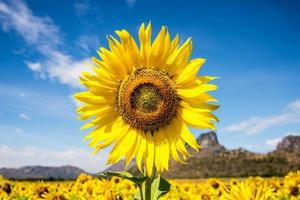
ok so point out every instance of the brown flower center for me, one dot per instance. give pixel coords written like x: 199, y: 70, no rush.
x: 205, y: 197
x: 147, y: 99
x: 294, y: 191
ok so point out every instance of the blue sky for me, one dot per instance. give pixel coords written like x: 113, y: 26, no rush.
x: 253, y: 46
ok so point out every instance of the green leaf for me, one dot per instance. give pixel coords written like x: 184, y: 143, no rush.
x: 74, y: 197
x: 21, y: 198
x: 126, y: 175
x: 137, y: 196
x: 159, y: 187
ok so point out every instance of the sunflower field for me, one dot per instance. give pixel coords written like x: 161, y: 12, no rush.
x: 87, y: 187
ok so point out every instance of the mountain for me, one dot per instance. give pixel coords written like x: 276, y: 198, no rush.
x: 41, y: 173
x: 209, y: 143
x: 214, y: 160
x: 289, y: 143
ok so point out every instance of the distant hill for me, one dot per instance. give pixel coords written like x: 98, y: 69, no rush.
x: 215, y: 160
x: 41, y: 173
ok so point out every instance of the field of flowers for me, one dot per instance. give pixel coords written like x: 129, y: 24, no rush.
x: 87, y: 187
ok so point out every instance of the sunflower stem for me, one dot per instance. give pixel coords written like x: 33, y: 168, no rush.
x: 148, y: 184
x: 141, y: 192
x: 148, y: 189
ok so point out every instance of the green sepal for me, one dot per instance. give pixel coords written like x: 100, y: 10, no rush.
x: 126, y: 175
x: 137, y: 195
x: 159, y: 187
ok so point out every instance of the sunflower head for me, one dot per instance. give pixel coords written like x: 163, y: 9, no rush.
x: 147, y: 99
x: 142, y: 98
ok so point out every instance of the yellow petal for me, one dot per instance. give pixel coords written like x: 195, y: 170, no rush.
x: 141, y: 152
x: 118, y: 49
x: 172, y: 137
x: 104, y: 132
x: 145, y: 44
x: 104, y: 71
x: 196, y: 90
x: 189, y: 138
x: 195, y: 119
x: 179, y: 143
x: 107, y: 142
x: 122, y: 145
x: 162, y: 150
x: 104, y: 119
x: 149, y: 157
x: 94, y: 112
x: 174, y: 153
x: 130, y: 48
x: 112, y: 60
x: 90, y: 98
x: 132, y: 151
x: 189, y: 72
x: 159, y: 49
x: 199, y: 100
x: 175, y: 43
x: 205, y: 79
x: 205, y: 110
x: 97, y: 87
x: 199, y: 107
x: 179, y: 58
x: 109, y: 82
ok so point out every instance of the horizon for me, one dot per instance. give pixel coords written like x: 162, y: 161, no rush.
x: 253, y: 46
x: 122, y: 160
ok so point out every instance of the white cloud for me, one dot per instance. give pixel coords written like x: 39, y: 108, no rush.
x: 64, y: 69
x: 290, y: 115
x: 5, y: 129
x: 292, y: 133
x: 294, y: 106
x: 85, y: 11
x: 88, y: 42
x: 34, y: 66
x: 273, y: 142
x: 75, y: 101
x: 130, y: 2
x: 39, y: 103
x: 42, y: 34
x: 22, y: 94
x: 34, y: 30
x: 24, y: 116
x: 31, y: 155
x: 81, y: 8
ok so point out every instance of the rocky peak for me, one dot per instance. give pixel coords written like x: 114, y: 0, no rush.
x: 209, y: 142
x: 289, y: 143
x: 208, y: 139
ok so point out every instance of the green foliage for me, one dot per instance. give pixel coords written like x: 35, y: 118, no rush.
x: 22, y: 198
x: 226, y: 164
x: 160, y: 186
x: 74, y: 197
x: 126, y: 175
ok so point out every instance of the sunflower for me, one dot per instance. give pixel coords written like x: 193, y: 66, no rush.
x: 142, y: 98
